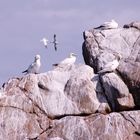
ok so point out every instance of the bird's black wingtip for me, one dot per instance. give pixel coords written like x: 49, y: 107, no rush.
x: 55, y: 65
x: 24, y: 71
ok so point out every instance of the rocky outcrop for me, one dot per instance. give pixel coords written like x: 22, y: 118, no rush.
x: 115, y: 126
x: 29, y: 105
x: 74, y: 102
x: 67, y: 103
x: 101, y: 46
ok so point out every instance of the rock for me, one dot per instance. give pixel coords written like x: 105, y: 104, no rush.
x: 117, y: 92
x: 104, y: 107
x: 102, y: 48
x: 54, y: 138
x: 135, y: 24
x: 129, y: 71
x: 114, y: 126
x: 20, y: 117
x: 30, y: 104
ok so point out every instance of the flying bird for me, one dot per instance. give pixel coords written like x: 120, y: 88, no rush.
x: 67, y: 61
x: 111, y: 66
x: 45, y: 41
x: 54, y: 42
x: 108, y: 25
x: 35, y: 66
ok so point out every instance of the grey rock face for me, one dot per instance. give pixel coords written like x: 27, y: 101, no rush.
x: 62, y: 104
x: 115, y: 126
x: 101, y: 49
x: 117, y: 92
x: 31, y: 103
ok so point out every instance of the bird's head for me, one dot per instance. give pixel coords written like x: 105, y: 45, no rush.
x: 44, y: 39
x: 72, y: 55
x: 112, y: 20
x: 37, y: 57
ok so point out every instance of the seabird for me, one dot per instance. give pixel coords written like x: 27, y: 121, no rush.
x: 35, y: 66
x: 111, y: 66
x: 45, y: 41
x: 108, y: 25
x: 69, y: 60
x: 55, y: 42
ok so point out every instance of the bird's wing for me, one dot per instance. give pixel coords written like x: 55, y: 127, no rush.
x: 103, y: 26
x: 65, y: 61
x: 55, y: 47
x: 107, y: 22
x: 105, y: 70
x: 54, y: 36
x: 45, y: 42
x: 25, y: 71
x: 55, y: 64
x: 108, y: 65
x: 31, y: 66
x: 68, y: 60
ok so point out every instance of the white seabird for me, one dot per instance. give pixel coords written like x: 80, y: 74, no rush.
x: 108, y: 25
x: 67, y: 61
x: 111, y: 66
x: 34, y: 67
x: 45, y: 41
x: 55, y: 42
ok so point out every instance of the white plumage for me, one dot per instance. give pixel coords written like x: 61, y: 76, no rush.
x: 45, y: 41
x: 108, y: 25
x: 111, y: 66
x: 69, y: 60
x: 35, y: 66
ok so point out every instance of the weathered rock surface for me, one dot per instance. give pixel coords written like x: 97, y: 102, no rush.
x: 99, y: 48
x: 29, y: 104
x: 117, y: 92
x: 114, y: 126
x: 73, y: 102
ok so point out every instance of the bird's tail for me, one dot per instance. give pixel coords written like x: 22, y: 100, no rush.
x: 101, y: 72
x: 24, y: 71
x: 104, y: 71
x: 99, y: 27
x: 55, y: 47
x: 55, y: 65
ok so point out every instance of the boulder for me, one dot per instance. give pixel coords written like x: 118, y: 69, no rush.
x: 114, y: 126
x: 101, y: 48
x: 117, y: 92
x: 29, y: 104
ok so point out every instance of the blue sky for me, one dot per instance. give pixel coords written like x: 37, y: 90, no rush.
x: 24, y: 22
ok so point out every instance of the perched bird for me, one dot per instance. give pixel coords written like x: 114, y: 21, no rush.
x: 67, y: 61
x: 35, y: 66
x: 108, y: 25
x: 45, y: 42
x: 111, y: 66
x: 55, y: 42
